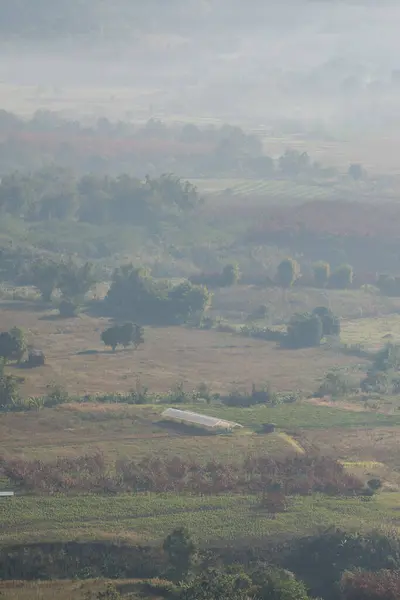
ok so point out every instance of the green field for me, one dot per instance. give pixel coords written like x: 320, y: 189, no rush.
x: 150, y: 517
x: 300, y: 415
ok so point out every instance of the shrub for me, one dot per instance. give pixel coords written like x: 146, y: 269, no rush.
x: 342, y: 277
x: 322, y: 271
x: 229, y: 276
x: 180, y: 550
x: 287, y: 273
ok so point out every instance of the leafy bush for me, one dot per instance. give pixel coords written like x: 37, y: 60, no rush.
x: 264, y: 395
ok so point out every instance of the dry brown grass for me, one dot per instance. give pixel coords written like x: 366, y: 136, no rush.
x: 169, y: 355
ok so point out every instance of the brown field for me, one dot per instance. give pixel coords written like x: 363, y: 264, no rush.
x: 169, y: 356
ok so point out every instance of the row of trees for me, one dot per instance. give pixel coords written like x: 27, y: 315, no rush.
x: 288, y: 273
x: 54, y: 193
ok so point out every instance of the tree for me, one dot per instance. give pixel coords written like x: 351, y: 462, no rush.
x: 230, y: 275
x: 8, y: 346
x: 330, y: 322
x: 278, y: 584
x: 45, y: 276
x: 287, y: 273
x: 20, y: 346
x: 123, y: 335
x: 215, y: 584
x: 322, y: 271
x: 180, y: 550
x: 76, y: 281
x: 342, y: 277
x: 9, y: 394
x: 304, y: 331
x: 356, y: 172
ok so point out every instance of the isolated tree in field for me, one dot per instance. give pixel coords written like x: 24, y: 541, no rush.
x: 322, y: 272
x: 46, y: 277
x: 20, y: 346
x: 342, y: 277
x: 180, y: 551
x: 356, y: 171
x: 76, y: 281
x: 7, y: 346
x: 8, y: 388
x: 230, y: 275
x: 123, y: 335
x: 287, y: 273
x: 304, y: 331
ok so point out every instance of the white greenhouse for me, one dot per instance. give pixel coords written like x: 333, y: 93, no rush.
x: 187, y: 417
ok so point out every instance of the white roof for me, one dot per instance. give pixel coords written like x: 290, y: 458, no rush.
x: 205, y: 420
x: 4, y: 494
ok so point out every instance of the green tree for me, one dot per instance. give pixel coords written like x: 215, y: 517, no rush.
x: 304, y: 331
x: 8, y: 346
x: 330, y: 322
x: 322, y: 272
x: 230, y: 275
x: 20, y: 346
x: 9, y: 394
x: 277, y: 584
x: 342, y: 277
x: 287, y: 273
x: 215, y: 584
x: 76, y: 281
x: 45, y: 276
x: 123, y: 335
x: 180, y: 551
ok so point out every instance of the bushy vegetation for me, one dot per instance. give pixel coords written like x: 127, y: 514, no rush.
x: 253, y: 475
x: 229, y: 276
x: 136, y: 295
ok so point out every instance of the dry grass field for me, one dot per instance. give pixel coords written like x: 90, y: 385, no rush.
x: 77, y: 360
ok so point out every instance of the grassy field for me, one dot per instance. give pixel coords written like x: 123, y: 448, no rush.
x: 77, y: 360
x: 145, y: 518
x: 372, y: 332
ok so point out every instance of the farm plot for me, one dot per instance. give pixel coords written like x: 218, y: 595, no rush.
x: 145, y: 517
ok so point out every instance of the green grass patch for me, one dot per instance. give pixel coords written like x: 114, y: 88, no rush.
x: 146, y: 517
x: 299, y: 415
